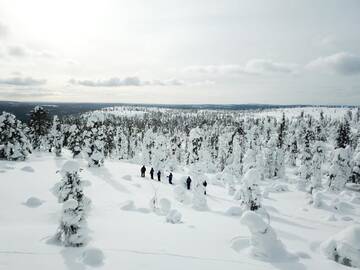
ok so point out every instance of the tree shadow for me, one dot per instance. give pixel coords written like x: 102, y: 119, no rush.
x: 72, y: 258
x: 105, y: 175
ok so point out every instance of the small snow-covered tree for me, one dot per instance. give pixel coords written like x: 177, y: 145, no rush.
x: 39, y: 125
x: 293, y: 152
x: 340, y: 169
x: 94, y: 141
x: 195, y: 141
x: 264, y: 242
x: 75, y: 140
x: 306, y: 169
x: 56, y: 136
x: 269, y: 158
x: 317, y: 162
x: 14, y: 145
x: 355, y: 165
x: 343, y: 134
x: 249, y: 192
x: 199, y: 198
x: 72, y: 230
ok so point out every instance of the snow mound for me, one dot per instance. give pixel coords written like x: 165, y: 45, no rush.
x: 33, y: 202
x: 356, y: 200
x: 342, y: 207
x: 174, y: 217
x: 317, y: 199
x: 344, y: 247
x: 180, y: 193
x: 70, y: 167
x: 234, y: 211
x: 28, y: 169
x: 127, y: 177
x: 165, y: 206
x: 264, y: 243
x: 331, y: 217
x: 70, y: 204
x: 93, y: 257
x: 127, y: 205
x: 278, y: 188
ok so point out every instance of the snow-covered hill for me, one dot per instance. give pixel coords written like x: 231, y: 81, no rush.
x: 134, y: 237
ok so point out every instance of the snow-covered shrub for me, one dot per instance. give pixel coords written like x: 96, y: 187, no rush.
x: 14, y: 145
x: 174, y: 216
x: 264, y: 242
x: 33, y: 202
x: 318, y: 199
x: 344, y: 247
x: 72, y: 230
x: 355, y: 168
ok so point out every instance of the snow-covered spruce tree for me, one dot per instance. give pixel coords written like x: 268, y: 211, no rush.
x: 293, y: 151
x: 249, y: 192
x: 355, y: 166
x: 340, y: 169
x: 14, y: 145
x: 94, y: 141
x: 194, y: 145
x: 269, y: 158
x: 199, y: 200
x: 109, y: 142
x: 306, y: 169
x: 249, y: 160
x: 39, y: 125
x: 317, y: 162
x: 56, y: 136
x: 72, y: 230
x: 75, y: 140
x: 343, y: 134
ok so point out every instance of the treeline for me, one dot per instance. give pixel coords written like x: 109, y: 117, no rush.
x: 224, y: 142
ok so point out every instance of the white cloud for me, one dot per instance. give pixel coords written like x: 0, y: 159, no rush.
x: 254, y: 66
x: 3, y: 30
x: 341, y: 63
x: 127, y: 81
x: 22, y: 81
x: 17, y: 51
x: 263, y: 66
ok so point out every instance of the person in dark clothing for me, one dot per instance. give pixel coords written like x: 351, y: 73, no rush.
x: 159, y: 176
x: 188, y: 183
x: 152, y: 173
x: 143, y: 170
x: 205, y: 185
x: 170, y: 178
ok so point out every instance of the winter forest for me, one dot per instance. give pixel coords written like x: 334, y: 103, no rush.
x: 273, y: 188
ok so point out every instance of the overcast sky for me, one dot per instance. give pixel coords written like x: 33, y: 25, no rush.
x: 181, y: 51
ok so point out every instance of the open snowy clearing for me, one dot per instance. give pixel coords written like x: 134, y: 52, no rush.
x: 126, y: 234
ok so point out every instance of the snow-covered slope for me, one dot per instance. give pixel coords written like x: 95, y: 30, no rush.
x: 134, y: 237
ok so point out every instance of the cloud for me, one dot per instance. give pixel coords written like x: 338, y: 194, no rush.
x: 342, y: 63
x: 3, y: 30
x: 127, y: 81
x: 262, y: 66
x: 215, y: 69
x: 22, y: 81
x: 254, y: 66
x: 17, y: 51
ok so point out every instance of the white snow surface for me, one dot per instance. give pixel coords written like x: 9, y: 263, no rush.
x: 142, y: 239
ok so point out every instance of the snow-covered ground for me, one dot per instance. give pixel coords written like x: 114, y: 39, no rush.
x: 126, y: 234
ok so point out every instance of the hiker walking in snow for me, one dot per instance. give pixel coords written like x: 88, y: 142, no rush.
x: 159, y: 175
x: 205, y: 185
x: 143, y: 170
x: 170, y: 178
x: 188, y: 182
x: 152, y: 173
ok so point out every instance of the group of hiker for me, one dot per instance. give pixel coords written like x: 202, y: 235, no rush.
x: 170, y: 177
